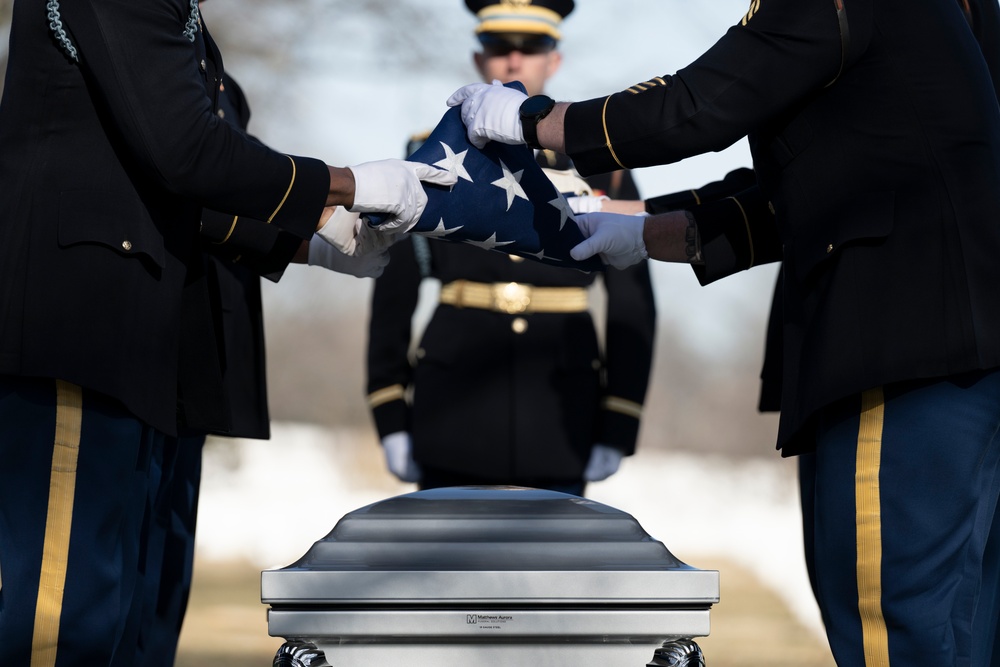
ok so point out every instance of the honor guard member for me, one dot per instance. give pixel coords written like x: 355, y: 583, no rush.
x: 881, y: 202
x: 508, y: 384
x: 232, y: 271
x: 233, y: 282
x: 111, y: 354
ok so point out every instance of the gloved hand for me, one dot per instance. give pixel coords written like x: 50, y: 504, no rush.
x: 398, y: 448
x: 586, y: 203
x: 347, y: 233
x: 617, y: 238
x: 491, y: 112
x: 603, y: 463
x: 341, y: 230
x: 362, y: 265
x: 393, y: 187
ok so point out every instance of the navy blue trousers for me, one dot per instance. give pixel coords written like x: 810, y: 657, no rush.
x: 84, y: 532
x: 902, y: 536
x: 168, y: 578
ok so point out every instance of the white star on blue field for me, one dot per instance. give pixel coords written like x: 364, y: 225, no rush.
x: 511, y: 183
x: 440, y: 231
x: 452, y: 162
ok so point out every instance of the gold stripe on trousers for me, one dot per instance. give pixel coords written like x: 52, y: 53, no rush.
x: 58, y: 521
x: 868, y: 519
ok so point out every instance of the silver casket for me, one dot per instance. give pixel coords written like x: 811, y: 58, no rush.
x: 499, y: 576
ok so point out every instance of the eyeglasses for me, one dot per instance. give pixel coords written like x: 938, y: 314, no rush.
x: 503, y: 44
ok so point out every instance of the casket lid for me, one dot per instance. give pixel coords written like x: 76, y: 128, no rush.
x: 498, y: 543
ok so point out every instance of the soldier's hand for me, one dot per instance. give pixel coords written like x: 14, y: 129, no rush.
x: 586, y: 203
x: 363, y: 265
x: 615, y: 237
x: 339, y: 227
x: 347, y: 232
x: 491, y: 112
x: 398, y: 449
x: 394, y: 187
x: 604, y: 462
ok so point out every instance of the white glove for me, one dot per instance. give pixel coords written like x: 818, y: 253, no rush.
x: 376, y: 240
x: 603, y: 463
x: 348, y: 233
x: 398, y: 448
x: 586, y: 203
x: 393, y: 187
x: 341, y: 230
x: 362, y: 265
x: 616, y: 237
x: 490, y: 112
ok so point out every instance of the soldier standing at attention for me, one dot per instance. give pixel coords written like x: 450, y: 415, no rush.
x: 509, y: 384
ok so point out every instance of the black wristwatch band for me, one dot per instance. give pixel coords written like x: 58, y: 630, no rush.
x: 533, y: 110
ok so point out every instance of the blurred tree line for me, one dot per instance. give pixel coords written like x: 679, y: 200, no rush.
x: 316, y: 345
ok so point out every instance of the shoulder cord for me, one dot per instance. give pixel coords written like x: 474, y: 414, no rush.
x: 56, y: 26
x: 193, y: 22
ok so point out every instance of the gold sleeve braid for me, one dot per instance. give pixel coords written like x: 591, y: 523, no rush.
x: 236, y: 218
x: 655, y: 82
x: 607, y: 135
x: 646, y: 85
x: 746, y: 223
x: 232, y: 228
x: 622, y: 406
x: 385, y: 395
x: 291, y: 184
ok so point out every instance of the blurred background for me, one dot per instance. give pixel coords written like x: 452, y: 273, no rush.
x: 349, y: 81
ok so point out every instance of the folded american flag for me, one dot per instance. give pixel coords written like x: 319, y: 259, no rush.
x: 502, y: 201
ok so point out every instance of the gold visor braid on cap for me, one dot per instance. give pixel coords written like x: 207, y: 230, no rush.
x: 291, y: 184
x: 526, y: 19
x: 607, y: 135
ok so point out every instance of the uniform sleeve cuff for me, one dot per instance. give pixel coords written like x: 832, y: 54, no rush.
x: 586, y: 139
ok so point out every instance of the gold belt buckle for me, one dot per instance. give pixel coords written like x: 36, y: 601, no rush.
x: 511, y: 298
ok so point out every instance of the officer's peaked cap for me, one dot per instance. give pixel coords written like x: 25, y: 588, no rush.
x: 526, y: 17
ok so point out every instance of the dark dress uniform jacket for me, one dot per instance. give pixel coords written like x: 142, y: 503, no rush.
x: 105, y: 165
x: 492, y: 399
x: 875, y: 134
x: 234, y: 286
